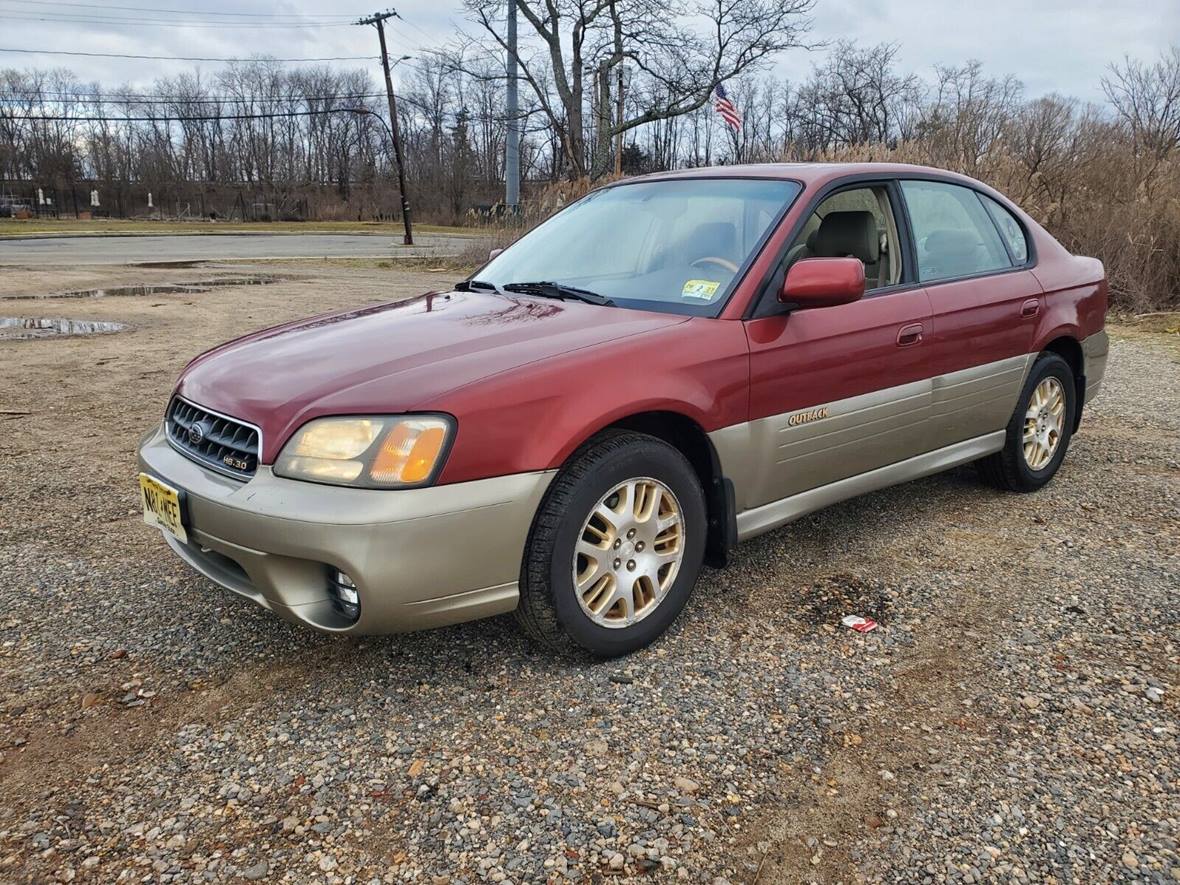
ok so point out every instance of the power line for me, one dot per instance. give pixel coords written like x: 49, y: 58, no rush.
x: 359, y: 110
x: 421, y: 31
x: 184, y: 57
x: 166, y: 117
x: 170, y: 118
x: 130, y: 98
x: 332, y: 15
x: 166, y: 23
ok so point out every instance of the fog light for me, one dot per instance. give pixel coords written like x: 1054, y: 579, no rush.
x: 345, y: 595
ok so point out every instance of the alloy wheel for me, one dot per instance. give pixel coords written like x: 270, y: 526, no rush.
x: 1044, y: 422
x: 628, y: 552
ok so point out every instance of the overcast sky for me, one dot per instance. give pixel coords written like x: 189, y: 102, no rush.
x: 1051, y: 45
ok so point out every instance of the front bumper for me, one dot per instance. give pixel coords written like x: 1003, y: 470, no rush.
x: 419, y: 557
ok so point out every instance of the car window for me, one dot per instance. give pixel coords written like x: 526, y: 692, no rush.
x: 954, y: 234
x: 858, y: 222
x: 1009, y: 227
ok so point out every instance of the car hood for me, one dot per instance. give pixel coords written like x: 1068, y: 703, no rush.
x: 393, y: 358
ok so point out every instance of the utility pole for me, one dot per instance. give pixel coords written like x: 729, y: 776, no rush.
x: 619, y: 117
x: 378, y: 19
x: 512, y: 143
x: 619, y: 99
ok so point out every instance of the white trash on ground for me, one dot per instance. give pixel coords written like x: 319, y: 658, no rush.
x: 859, y: 624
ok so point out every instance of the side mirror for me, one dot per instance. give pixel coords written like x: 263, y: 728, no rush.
x: 823, y: 282
x: 493, y: 253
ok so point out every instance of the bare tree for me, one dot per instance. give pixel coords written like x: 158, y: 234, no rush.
x: 967, y: 115
x: 1146, y: 97
x: 856, y: 96
x: 676, y: 52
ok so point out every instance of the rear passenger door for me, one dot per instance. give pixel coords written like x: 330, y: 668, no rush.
x: 972, y: 258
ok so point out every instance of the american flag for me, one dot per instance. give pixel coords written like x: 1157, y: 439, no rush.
x: 725, y: 108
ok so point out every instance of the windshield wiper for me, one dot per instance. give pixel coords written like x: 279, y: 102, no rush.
x: 549, y: 289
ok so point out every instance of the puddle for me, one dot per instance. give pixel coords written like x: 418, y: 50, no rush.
x: 194, y: 288
x: 125, y: 291
x: 23, y: 328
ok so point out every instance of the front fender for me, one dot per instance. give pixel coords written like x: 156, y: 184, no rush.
x: 542, y: 413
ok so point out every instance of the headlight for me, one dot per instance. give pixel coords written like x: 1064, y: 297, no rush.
x: 374, y: 452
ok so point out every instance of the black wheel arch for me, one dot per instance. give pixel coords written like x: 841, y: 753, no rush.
x: 1070, y: 350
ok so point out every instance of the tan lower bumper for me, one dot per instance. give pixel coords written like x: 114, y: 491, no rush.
x: 419, y: 557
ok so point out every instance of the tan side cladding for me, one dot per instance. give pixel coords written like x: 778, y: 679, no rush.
x: 780, y: 456
x: 772, y: 458
x: 978, y: 400
x: 763, y: 519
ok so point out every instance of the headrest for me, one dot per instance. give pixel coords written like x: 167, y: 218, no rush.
x: 848, y: 233
x: 948, y: 241
x: 717, y: 238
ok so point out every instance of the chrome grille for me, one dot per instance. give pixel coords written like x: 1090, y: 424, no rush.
x: 213, y: 440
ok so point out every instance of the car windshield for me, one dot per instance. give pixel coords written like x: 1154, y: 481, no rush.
x: 675, y: 246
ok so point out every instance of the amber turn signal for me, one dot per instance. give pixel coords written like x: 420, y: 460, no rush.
x: 409, y: 452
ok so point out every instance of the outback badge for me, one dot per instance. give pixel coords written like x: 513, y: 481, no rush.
x: 807, y: 417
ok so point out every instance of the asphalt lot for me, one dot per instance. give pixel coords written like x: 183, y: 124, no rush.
x: 65, y: 251
x: 1013, y: 719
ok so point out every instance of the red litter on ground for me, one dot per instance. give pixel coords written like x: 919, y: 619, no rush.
x: 859, y: 624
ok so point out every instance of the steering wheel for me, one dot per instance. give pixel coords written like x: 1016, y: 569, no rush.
x: 713, y: 259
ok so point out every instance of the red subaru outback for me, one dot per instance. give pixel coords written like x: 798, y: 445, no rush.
x: 670, y: 365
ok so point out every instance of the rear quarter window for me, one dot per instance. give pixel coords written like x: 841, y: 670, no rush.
x: 1010, y: 229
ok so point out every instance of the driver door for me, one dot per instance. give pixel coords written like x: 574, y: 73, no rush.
x: 839, y: 391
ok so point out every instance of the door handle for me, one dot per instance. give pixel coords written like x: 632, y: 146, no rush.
x: 910, y: 334
x: 1030, y: 308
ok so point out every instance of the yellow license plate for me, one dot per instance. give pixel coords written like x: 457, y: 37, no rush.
x: 162, y: 506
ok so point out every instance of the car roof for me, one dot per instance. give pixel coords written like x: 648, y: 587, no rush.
x: 810, y: 174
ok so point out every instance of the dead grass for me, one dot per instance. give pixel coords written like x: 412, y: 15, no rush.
x: 1161, y: 328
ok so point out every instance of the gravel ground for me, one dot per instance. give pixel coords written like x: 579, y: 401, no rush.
x: 1014, y: 718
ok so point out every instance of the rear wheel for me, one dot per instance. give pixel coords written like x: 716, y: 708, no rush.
x: 615, y: 548
x: 1040, y: 429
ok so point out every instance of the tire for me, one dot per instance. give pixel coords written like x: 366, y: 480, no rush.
x: 1009, y: 468
x: 551, y: 609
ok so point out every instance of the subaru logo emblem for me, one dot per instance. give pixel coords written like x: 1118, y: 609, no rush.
x: 196, y: 434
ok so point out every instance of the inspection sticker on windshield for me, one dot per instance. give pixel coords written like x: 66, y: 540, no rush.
x: 703, y: 289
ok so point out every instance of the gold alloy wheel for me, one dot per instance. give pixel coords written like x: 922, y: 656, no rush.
x: 629, y: 552
x: 1044, y: 422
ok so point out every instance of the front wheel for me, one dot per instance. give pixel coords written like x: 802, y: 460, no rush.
x: 1040, y: 429
x: 615, y: 548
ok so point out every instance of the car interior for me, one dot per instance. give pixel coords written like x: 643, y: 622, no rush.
x: 855, y: 223
x: 712, y: 242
